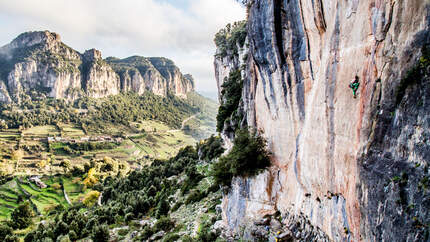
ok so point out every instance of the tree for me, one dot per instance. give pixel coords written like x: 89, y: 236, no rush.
x: 164, y: 223
x: 91, y: 198
x: 66, y: 165
x: 100, y: 233
x: 90, y: 180
x: 5, y: 230
x: 11, y: 238
x: 42, y: 164
x: 163, y: 207
x: 231, y: 95
x: 247, y: 157
x: 22, y: 216
x: 64, y: 238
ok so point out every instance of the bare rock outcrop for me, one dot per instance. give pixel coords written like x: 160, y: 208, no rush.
x: 176, y: 82
x: 39, y: 61
x: 355, y: 169
x: 155, y: 74
x: 100, y: 80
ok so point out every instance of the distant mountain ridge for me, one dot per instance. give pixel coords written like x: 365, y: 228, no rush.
x: 39, y: 62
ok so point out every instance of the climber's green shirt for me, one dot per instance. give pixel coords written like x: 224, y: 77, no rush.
x: 354, y: 86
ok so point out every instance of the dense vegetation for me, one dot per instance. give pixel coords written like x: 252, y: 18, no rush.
x: 146, y: 192
x: 95, y: 114
x: 247, y: 158
x: 227, y: 39
x: 230, y: 96
x: 210, y: 148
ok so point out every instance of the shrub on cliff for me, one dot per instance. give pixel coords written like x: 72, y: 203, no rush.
x: 415, y: 75
x: 231, y: 94
x: 210, y: 148
x: 247, y: 158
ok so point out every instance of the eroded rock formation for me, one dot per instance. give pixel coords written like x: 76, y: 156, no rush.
x: 353, y: 169
x: 39, y: 61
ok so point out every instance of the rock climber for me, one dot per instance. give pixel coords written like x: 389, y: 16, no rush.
x: 354, y: 86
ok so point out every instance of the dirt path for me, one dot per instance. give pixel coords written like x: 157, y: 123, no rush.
x: 99, y: 200
x: 183, y: 124
x: 66, y: 196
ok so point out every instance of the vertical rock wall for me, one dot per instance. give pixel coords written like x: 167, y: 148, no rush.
x: 302, y: 57
x: 100, y: 80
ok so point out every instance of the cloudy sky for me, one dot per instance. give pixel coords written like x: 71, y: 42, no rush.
x: 181, y: 30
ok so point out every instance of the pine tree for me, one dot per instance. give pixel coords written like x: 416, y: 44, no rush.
x: 22, y: 216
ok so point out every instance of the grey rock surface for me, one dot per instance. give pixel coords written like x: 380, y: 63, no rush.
x: 343, y: 168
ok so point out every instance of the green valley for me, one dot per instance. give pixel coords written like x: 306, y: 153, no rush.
x: 58, y: 142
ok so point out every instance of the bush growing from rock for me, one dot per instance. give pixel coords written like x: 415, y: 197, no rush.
x: 164, y: 224
x: 247, y: 157
x: 230, y: 94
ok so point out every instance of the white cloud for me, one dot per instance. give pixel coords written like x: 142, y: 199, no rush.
x: 182, y: 32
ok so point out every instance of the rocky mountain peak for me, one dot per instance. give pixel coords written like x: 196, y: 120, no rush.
x: 32, y: 38
x: 92, y: 54
x: 190, y: 78
x: 39, y: 61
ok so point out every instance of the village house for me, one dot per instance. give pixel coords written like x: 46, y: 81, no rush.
x: 36, y: 180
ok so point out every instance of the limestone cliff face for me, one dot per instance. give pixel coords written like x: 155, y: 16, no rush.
x: 344, y: 168
x: 39, y: 61
x: 156, y: 74
x: 100, y: 80
x: 225, y: 64
x: 226, y: 61
x: 176, y: 82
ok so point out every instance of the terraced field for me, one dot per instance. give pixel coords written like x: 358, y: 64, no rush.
x: 140, y: 143
x: 43, y: 200
x: 145, y: 140
x: 159, y: 141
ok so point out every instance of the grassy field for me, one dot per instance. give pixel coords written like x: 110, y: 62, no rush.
x: 42, y: 131
x: 70, y: 130
x: 159, y: 141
